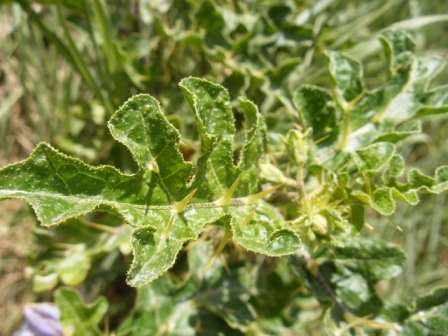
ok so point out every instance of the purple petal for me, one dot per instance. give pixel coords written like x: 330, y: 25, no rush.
x: 47, y: 310
x: 42, y: 320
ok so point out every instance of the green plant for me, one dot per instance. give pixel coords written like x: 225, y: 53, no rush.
x: 301, y: 194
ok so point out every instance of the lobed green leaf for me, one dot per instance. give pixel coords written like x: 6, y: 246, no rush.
x: 59, y: 187
x: 78, y: 319
x: 375, y: 260
x: 346, y: 73
x: 317, y: 110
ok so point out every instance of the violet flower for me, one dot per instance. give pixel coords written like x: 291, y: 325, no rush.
x: 41, y: 319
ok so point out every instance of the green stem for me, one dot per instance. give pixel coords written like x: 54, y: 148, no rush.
x: 300, y: 185
x: 306, y: 258
x: 346, y: 133
x: 346, y: 109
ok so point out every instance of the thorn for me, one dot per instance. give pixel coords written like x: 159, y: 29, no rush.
x: 227, y: 235
x: 370, y: 227
x: 197, y: 327
x: 249, y: 217
x: 102, y: 227
x: 394, y: 224
x: 166, y: 232
x: 321, y: 139
x: 297, y: 126
x: 253, y: 198
x: 193, y: 244
x: 283, y: 139
x: 225, y: 200
x: 153, y: 166
x: 274, y: 160
x: 313, y: 267
x: 226, y: 266
x: 182, y: 205
x: 298, y: 290
x: 356, y: 322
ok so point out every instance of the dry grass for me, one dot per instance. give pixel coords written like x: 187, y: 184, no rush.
x: 18, y: 139
x: 16, y: 221
x: 15, y: 290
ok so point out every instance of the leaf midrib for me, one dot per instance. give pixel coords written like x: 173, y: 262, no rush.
x: 234, y: 202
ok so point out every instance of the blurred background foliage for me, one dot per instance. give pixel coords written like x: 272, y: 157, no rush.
x: 66, y: 66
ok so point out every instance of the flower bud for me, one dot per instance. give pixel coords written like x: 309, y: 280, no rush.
x: 297, y: 146
x: 271, y: 173
x: 319, y: 225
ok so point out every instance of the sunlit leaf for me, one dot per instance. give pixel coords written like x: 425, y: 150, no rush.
x: 59, y: 187
x: 346, y: 73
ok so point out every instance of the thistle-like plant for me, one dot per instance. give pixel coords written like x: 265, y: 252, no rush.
x: 301, y: 194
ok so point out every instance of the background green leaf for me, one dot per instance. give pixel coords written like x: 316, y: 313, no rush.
x: 76, y: 317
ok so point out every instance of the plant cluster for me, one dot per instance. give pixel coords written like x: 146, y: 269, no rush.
x: 78, y: 61
x: 262, y: 230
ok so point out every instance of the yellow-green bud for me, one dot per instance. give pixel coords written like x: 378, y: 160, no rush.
x: 271, y: 173
x: 297, y: 146
x: 320, y: 225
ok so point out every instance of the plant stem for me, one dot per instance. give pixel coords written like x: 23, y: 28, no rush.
x: 305, y: 256
x: 300, y: 185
